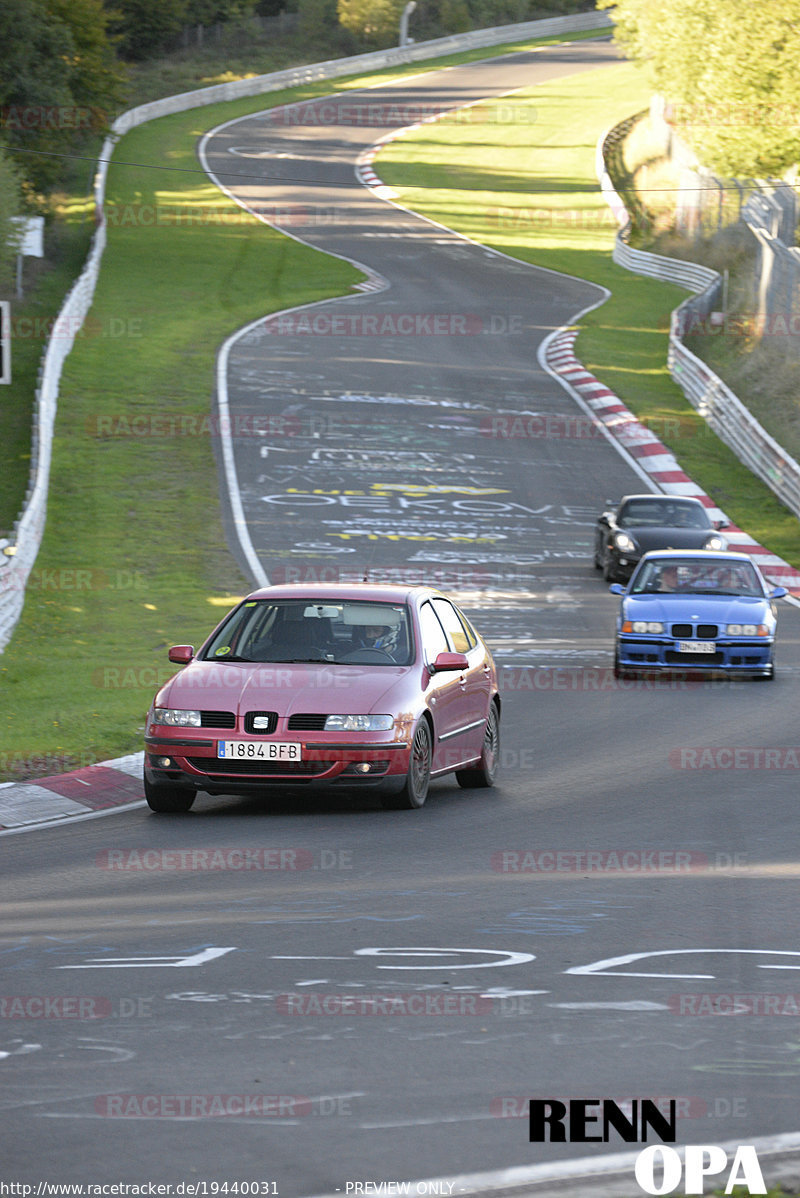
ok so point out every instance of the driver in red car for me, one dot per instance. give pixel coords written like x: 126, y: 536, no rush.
x: 377, y: 636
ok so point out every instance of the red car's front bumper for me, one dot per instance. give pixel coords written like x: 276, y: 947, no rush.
x: 190, y: 757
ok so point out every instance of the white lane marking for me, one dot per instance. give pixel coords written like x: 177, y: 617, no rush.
x: 510, y: 958
x: 606, y: 967
x: 208, y: 954
x: 610, y: 1006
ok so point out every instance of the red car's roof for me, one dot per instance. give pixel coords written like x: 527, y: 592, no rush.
x: 373, y: 592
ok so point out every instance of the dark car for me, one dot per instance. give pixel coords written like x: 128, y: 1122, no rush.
x: 640, y: 523
x: 327, y: 686
x: 696, y: 611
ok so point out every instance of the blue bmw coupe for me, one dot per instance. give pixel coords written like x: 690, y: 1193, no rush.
x: 696, y: 611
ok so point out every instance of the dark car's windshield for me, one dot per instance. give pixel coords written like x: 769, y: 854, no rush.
x: 662, y: 513
x: 350, y: 632
x: 689, y: 576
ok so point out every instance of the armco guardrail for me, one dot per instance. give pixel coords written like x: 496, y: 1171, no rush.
x: 28, y: 531
x: 709, y: 396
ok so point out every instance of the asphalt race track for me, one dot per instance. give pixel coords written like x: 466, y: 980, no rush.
x: 316, y: 992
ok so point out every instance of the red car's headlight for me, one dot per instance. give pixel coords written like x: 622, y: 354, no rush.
x: 359, y: 723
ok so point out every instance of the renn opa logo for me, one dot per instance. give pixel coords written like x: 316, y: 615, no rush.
x: 659, y: 1168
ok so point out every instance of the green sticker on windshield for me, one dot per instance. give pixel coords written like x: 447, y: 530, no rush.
x: 222, y: 651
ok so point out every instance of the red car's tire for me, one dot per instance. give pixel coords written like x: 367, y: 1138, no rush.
x: 415, y: 788
x: 168, y: 797
x: 485, y: 772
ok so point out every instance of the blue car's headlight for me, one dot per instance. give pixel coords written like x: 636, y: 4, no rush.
x: 747, y: 630
x: 643, y: 626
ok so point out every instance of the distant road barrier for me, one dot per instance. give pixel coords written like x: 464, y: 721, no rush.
x: 29, y: 528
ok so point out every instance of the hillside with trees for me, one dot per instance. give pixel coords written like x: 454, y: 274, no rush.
x: 729, y: 72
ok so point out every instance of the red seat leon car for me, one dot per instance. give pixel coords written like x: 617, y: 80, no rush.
x: 384, y: 686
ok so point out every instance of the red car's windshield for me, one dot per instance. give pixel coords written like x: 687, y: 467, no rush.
x: 348, y: 632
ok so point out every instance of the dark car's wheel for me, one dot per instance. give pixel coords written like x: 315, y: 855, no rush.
x: 415, y: 788
x: 484, y: 773
x: 609, y: 572
x: 168, y: 797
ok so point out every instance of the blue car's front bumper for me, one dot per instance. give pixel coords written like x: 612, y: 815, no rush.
x: 738, y: 655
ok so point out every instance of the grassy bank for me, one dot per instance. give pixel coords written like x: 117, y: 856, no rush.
x: 33, y: 320
x: 134, y: 556
x: 529, y: 189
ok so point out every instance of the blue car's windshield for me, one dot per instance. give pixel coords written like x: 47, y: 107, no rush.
x: 716, y: 576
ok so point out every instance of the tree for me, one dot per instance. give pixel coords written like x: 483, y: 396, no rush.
x: 144, y: 27
x: 375, y: 20
x: 10, y: 206
x: 729, y: 72
x: 58, y: 81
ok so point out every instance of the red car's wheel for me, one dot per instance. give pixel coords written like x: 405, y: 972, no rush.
x: 484, y: 773
x: 415, y: 787
x: 166, y: 797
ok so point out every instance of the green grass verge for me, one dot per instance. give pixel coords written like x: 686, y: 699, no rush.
x: 134, y: 556
x: 45, y: 284
x: 70, y: 226
x: 529, y: 189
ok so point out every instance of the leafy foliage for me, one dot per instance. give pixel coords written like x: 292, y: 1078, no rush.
x: 10, y: 206
x: 729, y: 72
x: 371, y: 19
x: 59, y: 81
x: 147, y: 27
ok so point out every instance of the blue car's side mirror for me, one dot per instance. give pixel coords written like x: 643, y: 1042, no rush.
x: 778, y: 592
x: 617, y: 588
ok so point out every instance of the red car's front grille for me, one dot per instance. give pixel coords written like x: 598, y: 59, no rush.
x: 217, y: 719
x: 267, y: 721
x: 220, y: 766
x: 307, y: 722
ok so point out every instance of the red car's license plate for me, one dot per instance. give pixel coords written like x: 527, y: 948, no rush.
x: 258, y: 750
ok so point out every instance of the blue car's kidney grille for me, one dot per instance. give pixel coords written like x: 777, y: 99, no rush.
x: 703, y: 632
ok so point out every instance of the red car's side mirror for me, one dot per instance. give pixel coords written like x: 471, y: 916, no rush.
x: 449, y: 661
x: 181, y: 654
